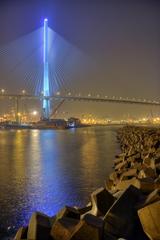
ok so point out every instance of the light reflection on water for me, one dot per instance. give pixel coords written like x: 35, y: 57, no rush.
x: 44, y: 169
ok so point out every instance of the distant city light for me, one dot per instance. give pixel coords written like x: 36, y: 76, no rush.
x: 34, y: 113
x: 2, y: 90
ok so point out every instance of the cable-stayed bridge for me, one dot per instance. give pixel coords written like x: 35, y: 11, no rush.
x: 17, y: 98
x: 45, y: 65
x: 78, y: 97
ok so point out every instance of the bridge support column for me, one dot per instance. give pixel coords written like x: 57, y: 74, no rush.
x: 46, y: 92
x: 17, y: 113
x: 46, y: 108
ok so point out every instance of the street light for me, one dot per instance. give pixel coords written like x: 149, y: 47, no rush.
x: 2, y: 91
x: 23, y: 91
x: 34, y: 113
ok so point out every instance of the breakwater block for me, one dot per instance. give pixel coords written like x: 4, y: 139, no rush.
x: 147, y: 172
x: 124, y: 184
x: 63, y: 228
x: 90, y: 228
x: 120, y: 165
x: 147, y: 185
x: 101, y: 201
x: 39, y: 227
x: 149, y: 217
x: 128, y: 174
x: 69, y: 212
x: 21, y: 233
x: 85, y: 209
x: 151, y: 198
x: 121, y: 219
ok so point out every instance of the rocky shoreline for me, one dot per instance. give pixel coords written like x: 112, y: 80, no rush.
x: 128, y: 207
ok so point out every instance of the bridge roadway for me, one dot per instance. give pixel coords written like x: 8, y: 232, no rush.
x: 80, y: 98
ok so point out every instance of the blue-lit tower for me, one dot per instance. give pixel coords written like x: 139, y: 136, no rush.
x: 46, y: 92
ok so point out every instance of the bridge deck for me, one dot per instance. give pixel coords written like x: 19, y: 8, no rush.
x: 75, y: 98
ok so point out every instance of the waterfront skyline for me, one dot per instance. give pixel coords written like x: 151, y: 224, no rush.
x: 121, y: 38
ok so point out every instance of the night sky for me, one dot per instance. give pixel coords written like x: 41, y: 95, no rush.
x: 121, y: 37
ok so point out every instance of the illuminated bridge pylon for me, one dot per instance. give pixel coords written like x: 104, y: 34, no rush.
x: 46, y: 91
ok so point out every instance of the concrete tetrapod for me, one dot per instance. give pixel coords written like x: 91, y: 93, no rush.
x: 39, y: 227
x: 63, y: 228
x: 121, y: 220
x: 150, y: 220
x: 21, y: 233
x: 101, y: 201
x: 90, y: 228
x: 69, y: 212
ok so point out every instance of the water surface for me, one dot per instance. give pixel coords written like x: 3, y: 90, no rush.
x: 43, y: 170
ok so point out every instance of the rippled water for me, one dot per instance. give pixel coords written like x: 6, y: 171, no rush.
x: 43, y: 170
